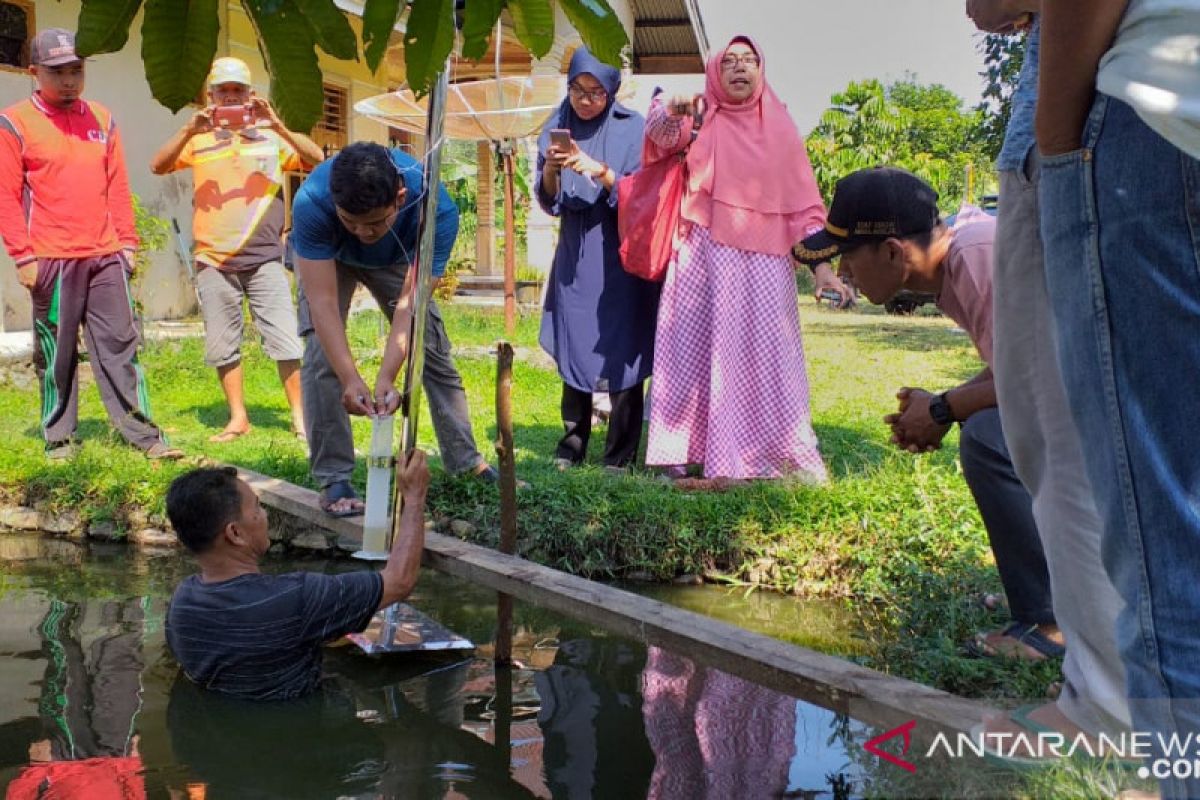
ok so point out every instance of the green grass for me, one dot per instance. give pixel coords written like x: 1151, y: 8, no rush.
x: 896, y: 536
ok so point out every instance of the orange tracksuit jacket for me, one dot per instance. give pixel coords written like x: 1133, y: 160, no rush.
x: 64, y: 191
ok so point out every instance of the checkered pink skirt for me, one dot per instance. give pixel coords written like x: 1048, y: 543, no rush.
x: 730, y: 385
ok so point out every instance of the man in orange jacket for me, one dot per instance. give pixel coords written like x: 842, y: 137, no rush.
x: 66, y: 217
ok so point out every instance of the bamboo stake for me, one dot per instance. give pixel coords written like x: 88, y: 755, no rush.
x: 508, y: 492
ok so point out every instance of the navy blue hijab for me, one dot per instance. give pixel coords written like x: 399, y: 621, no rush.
x: 614, y: 136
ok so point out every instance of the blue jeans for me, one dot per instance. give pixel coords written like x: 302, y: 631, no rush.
x: 1121, y: 228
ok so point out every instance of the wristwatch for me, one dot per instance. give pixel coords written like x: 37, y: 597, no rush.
x: 939, y: 410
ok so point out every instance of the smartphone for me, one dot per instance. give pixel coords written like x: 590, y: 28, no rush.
x: 233, y: 116
x: 832, y: 297
x: 561, y: 138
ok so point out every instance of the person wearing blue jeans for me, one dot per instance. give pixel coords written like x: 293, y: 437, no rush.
x: 1041, y: 437
x: 1120, y: 214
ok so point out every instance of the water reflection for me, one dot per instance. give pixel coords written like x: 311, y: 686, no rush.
x: 591, y: 719
x: 714, y: 734
x: 88, y: 705
x: 92, y: 706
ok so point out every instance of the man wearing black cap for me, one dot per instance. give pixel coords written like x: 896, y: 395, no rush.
x: 66, y: 217
x: 885, y: 225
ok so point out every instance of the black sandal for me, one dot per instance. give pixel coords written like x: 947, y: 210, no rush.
x: 1025, y: 633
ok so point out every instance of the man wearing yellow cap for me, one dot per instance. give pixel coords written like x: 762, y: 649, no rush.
x: 238, y: 150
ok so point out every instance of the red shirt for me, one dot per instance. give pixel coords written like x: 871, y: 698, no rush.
x: 64, y: 192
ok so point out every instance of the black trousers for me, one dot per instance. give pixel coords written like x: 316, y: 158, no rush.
x: 1007, y: 511
x: 624, y: 425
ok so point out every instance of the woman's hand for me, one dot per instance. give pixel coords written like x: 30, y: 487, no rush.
x: 584, y: 164
x: 682, y: 105
x: 825, y: 280
x: 556, y: 156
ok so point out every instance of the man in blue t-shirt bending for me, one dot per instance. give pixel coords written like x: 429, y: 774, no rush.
x: 258, y: 637
x: 355, y: 221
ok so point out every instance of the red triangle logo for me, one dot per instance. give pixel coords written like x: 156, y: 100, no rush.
x: 905, y: 731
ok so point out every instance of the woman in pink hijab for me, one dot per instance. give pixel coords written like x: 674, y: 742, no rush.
x: 730, y: 387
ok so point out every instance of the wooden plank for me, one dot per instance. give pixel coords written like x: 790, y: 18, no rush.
x: 828, y: 681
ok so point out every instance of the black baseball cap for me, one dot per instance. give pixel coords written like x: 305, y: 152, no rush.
x: 869, y: 206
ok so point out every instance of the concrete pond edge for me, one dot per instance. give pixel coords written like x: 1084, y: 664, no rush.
x: 298, y: 524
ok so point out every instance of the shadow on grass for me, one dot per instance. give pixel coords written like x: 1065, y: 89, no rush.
x: 845, y: 450
x: 215, y: 415
x: 884, y: 334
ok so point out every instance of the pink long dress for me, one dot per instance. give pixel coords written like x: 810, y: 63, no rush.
x: 730, y: 384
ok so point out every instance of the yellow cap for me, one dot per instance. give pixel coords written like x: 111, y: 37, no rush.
x: 229, y: 70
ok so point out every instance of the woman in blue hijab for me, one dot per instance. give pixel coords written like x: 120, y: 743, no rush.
x: 598, y: 322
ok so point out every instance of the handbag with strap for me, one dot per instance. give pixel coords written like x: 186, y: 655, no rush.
x: 648, y: 208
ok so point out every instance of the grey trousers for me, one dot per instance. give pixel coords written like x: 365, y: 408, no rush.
x: 92, y: 292
x: 1046, y: 452
x: 1007, y: 512
x: 330, y: 441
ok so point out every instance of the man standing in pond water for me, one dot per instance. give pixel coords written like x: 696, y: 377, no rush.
x: 237, y: 631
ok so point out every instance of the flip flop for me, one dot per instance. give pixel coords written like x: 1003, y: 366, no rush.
x: 1021, y: 717
x: 1024, y: 633
x: 1021, y: 763
x: 491, y: 475
x: 161, y: 451
x: 340, y: 490
x: 225, y: 437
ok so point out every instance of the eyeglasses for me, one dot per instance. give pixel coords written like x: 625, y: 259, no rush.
x: 731, y: 61
x: 594, y: 96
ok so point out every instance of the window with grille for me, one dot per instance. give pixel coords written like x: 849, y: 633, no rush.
x: 16, y: 28
x: 332, y: 129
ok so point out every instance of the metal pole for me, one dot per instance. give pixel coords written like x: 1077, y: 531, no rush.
x: 423, y: 263
x: 510, y: 239
x: 410, y: 407
x: 415, y: 368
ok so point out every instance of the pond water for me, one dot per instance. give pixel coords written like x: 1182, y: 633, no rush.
x: 92, y: 706
x: 824, y: 625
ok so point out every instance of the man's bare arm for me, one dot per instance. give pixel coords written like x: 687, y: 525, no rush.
x: 1075, y: 35
x: 404, y: 561
x: 974, y: 395
x: 396, y: 349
